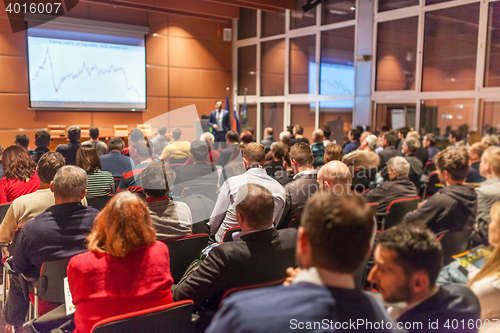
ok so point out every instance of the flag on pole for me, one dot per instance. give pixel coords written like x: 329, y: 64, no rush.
x: 236, y: 121
x: 244, y: 115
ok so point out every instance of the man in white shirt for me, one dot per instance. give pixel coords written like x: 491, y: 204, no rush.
x: 224, y: 214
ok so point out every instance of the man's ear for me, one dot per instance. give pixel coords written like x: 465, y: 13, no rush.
x: 419, y: 282
x: 303, y: 251
x: 52, y: 186
x: 83, y: 195
x: 245, y: 162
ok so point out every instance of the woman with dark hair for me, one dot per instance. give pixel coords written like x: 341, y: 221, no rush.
x: 100, y: 183
x: 125, y: 269
x: 20, y: 176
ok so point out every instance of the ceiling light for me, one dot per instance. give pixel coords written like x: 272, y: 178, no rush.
x: 353, y: 8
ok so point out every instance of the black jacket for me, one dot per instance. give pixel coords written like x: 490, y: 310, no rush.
x: 391, y: 190
x: 423, y: 155
x: 453, y: 208
x: 283, y: 176
x: 416, y: 170
x: 272, y: 167
x: 473, y: 175
x: 68, y: 151
x: 225, y: 155
x: 386, y: 154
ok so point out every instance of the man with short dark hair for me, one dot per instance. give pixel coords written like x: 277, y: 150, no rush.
x: 232, y: 139
x: 261, y: 255
x: 475, y: 153
x: 389, y: 150
x: 454, y: 207
x: 59, y: 232
x: 429, y: 142
x: 298, y: 136
x: 69, y: 150
x: 23, y: 141
x: 131, y: 178
x: 99, y: 146
x: 327, y: 132
x: 171, y: 219
x: 408, y: 259
x: 402, y: 133
x: 160, y: 141
x: 115, y: 162
x: 176, y: 151
x: 333, y: 240
x: 135, y: 136
x: 42, y: 142
x: 278, y: 151
x: 200, y: 168
x: 354, y: 136
x: 409, y: 150
x: 268, y: 138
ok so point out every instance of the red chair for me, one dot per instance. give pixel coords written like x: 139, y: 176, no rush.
x: 228, y: 235
x: 397, y: 210
x: 429, y: 167
x: 294, y: 223
x: 231, y: 291
x: 170, y: 318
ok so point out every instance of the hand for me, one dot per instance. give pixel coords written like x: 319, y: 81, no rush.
x: 215, y: 127
x: 291, y: 274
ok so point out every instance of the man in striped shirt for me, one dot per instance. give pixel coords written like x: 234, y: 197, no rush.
x: 131, y: 178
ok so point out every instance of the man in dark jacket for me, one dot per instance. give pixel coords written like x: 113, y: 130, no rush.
x: 231, y: 144
x: 389, y: 150
x: 454, y: 207
x: 268, y: 138
x: 410, y: 148
x: 278, y: 150
x: 475, y: 153
x: 398, y: 187
x: 304, y: 183
x: 68, y: 150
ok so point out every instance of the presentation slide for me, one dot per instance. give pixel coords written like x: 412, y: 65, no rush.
x: 76, y: 70
x: 336, y: 79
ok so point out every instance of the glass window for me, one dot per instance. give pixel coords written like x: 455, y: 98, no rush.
x: 251, y: 117
x: 395, y: 116
x: 492, y: 72
x: 431, y: 2
x: 450, y: 48
x: 384, y: 5
x: 302, y: 60
x: 273, y: 23
x: 396, y: 54
x: 338, y: 11
x: 337, y: 62
x: 304, y: 114
x: 491, y: 120
x: 338, y: 116
x: 272, y: 78
x: 247, y: 70
x: 271, y: 116
x: 441, y: 116
x: 247, y: 24
x: 299, y: 19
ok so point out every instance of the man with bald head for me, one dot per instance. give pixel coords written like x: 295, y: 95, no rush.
x: 335, y: 176
x: 318, y: 148
x: 364, y: 157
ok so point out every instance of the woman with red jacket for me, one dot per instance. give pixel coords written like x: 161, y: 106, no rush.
x: 125, y: 270
x: 20, y: 174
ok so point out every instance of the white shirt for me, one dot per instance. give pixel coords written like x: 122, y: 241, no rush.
x: 224, y: 214
x: 220, y: 116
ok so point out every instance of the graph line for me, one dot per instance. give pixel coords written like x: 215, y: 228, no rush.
x: 84, y: 69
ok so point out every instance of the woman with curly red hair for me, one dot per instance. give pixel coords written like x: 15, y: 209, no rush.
x: 20, y: 176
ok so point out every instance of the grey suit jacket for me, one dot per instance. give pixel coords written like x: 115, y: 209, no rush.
x: 487, y: 194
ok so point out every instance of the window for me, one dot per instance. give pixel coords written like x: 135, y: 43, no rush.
x: 338, y: 116
x: 491, y: 120
x: 272, y: 80
x: 432, y: 2
x: 302, y: 62
x: 492, y: 71
x: 384, y: 5
x: 247, y: 70
x: 247, y: 24
x: 273, y: 23
x: 335, y: 11
x: 396, y: 116
x: 304, y: 114
x: 271, y: 116
x: 299, y: 19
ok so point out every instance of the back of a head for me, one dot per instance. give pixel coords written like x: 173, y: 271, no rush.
x: 143, y: 148
x: 372, y: 141
x: 390, y: 138
x: 355, y: 134
x: 88, y: 159
x: 48, y: 165
x: 208, y: 138
x: 298, y: 129
x: 162, y: 129
x: 456, y: 135
x: 199, y: 150
x: 17, y: 163
x: 256, y: 204
x: 269, y: 131
x: 412, y: 144
x: 23, y: 140
x: 384, y: 129
x: 42, y: 139
x: 339, y: 229
x: 74, y: 133
x: 318, y: 135
x: 334, y: 152
x: 413, y: 134
x: 431, y: 137
x: 94, y: 133
x: 70, y: 182
x: 416, y: 247
x: 278, y: 148
x: 255, y: 153
x: 454, y: 161
x: 302, y: 154
x: 336, y: 173
x: 123, y: 225
x: 478, y: 149
x: 176, y: 133
x: 327, y: 131
x: 116, y: 143
x: 404, y: 131
x: 286, y: 137
x: 246, y: 137
x: 153, y: 179
x: 232, y: 136
x: 136, y: 135
x: 492, y: 157
x: 399, y: 165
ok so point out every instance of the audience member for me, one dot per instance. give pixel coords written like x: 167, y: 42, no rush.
x: 475, y: 153
x: 177, y: 150
x: 246, y: 137
x: 268, y: 138
x: 59, y: 232
x: 286, y: 138
x: 335, y: 177
x: 422, y: 153
x: 68, y: 150
x: 262, y: 254
x: 285, y: 175
x: 380, y: 145
x: 327, y: 132
x: 135, y: 136
x: 298, y: 132
x: 429, y: 142
x: 23, y: 141
x: 333, y: 240
x: 490, y: 140
x: 99, y: 182
x: 125, y: 269
x: 408, y: 259
x: 224, y: 214
x: 398, y: 187
x: 303, y: 186
x: 20, y: 174
x: 1, y: 167
x: 364, y: 157
x: 28, y: 206
x: 410, y: 148
x: 354, y: 136
x: 212, y: 156
x: 486, y: 283
x: 171, y: 219
x: 277, y: 151
x: 231, y: 144
x: 99, y: 146
x: 318, y: 148
x: 114, y: 161
x: 131, y: 178
x: 200, y: 168
x: 389, y: 150
x: 489, y: 191
x: 333, y: 152
x: 42, y: 142
x: 363, y: 136
x: 456, y: 140
x: 402, y: 132
x: 454, y: 207
x: 160, y: 140
x: 219, y: 121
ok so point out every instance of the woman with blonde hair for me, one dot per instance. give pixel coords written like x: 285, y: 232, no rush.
x: 486, y: 283
x: 125, y: 269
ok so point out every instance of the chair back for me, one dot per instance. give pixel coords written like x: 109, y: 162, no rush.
x: 201, y: 227
x: 183, y: 251
x: 3, y: 210
x: 171, y: 318
x: 431, y: 186
x: 397, y: 210
x: 56, y: 130
x: 231, y: 291
x: 50, y: 284
x: 429, y: 167
x: 453, y: 243
x: 228, y: 235
x: 99, y: 202
x: 362, y: 178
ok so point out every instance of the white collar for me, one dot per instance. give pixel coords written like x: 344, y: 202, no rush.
x: 334, y: 279
x: 305, y: 172
x: 396, y: 312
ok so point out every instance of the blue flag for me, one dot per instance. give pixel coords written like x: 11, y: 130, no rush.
x: 244, y: 115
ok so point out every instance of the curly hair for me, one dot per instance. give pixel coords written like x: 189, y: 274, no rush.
x: 18, y: 164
